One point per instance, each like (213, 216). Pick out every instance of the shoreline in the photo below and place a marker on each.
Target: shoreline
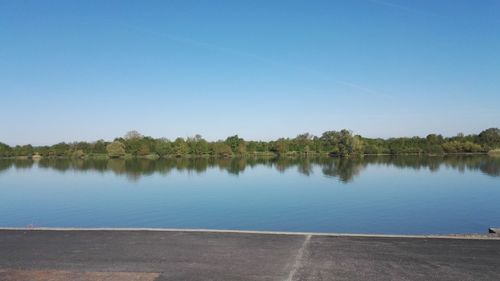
(291, 155)
(466, 236)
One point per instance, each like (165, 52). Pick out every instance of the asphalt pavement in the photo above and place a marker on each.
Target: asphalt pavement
(43, 255)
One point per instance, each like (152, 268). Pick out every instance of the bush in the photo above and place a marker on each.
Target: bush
(115, 149)
(222, 150)
(78, 154)
(494, 152)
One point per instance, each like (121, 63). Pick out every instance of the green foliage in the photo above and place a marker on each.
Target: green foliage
(461, 147)
(83, 146)
(197, 145)
(5, 150)
(434, 139)
(349, 144)
(143, 150)
(302, 143)
(115, 149)
(78, 154)
(339, 143)
(434, 149)
(280, 146)
(133, 135)
(180, 147)
(23, 150)
(163, 147)
(490, 138)
(236, 144)
(251, 147)
(99, 147)
(59, 150)
(132, 145)
(221, 149)
(329, 142)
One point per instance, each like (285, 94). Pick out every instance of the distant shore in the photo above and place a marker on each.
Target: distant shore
(267, 155)
(341, 143)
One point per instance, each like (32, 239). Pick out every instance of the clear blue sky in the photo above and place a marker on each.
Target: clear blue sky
(88, 70)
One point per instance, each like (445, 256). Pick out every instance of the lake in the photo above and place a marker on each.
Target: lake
(376, 194)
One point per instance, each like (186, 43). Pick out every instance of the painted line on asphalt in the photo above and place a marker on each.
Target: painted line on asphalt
(298, 259)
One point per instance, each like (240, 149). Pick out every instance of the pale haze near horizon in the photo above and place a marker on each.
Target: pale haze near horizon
(92, 70)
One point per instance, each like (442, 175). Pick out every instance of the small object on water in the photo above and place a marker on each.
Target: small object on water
(494, 230)
(30, 226)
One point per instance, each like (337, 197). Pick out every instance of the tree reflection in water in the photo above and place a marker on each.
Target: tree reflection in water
(345, 170)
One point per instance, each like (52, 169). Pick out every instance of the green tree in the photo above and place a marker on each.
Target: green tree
(342, 143)
(85, 147)
(221, 149)
(302, 143)
(133, 142)
(130, 135)
(42, 150)
(452, 147)
(5, 150)
(115, 149)
(490, 138)
(197, 145)
(60, 149)
(280, 146)
(242, 148)
(434, 139)
(180, 147)
(329, 141)
(472, 147)
(78, 154)
(99, 147)
(143, 149)
(236, 143)
(251, 147)
(434, 149)
(349, 144)
(163, 147)
(23, 150)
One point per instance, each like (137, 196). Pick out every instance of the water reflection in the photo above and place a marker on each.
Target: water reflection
(345, 170)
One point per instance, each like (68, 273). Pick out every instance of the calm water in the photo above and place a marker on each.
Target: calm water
(411, 195)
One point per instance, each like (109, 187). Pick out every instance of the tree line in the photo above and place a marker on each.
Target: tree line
(334, 143)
